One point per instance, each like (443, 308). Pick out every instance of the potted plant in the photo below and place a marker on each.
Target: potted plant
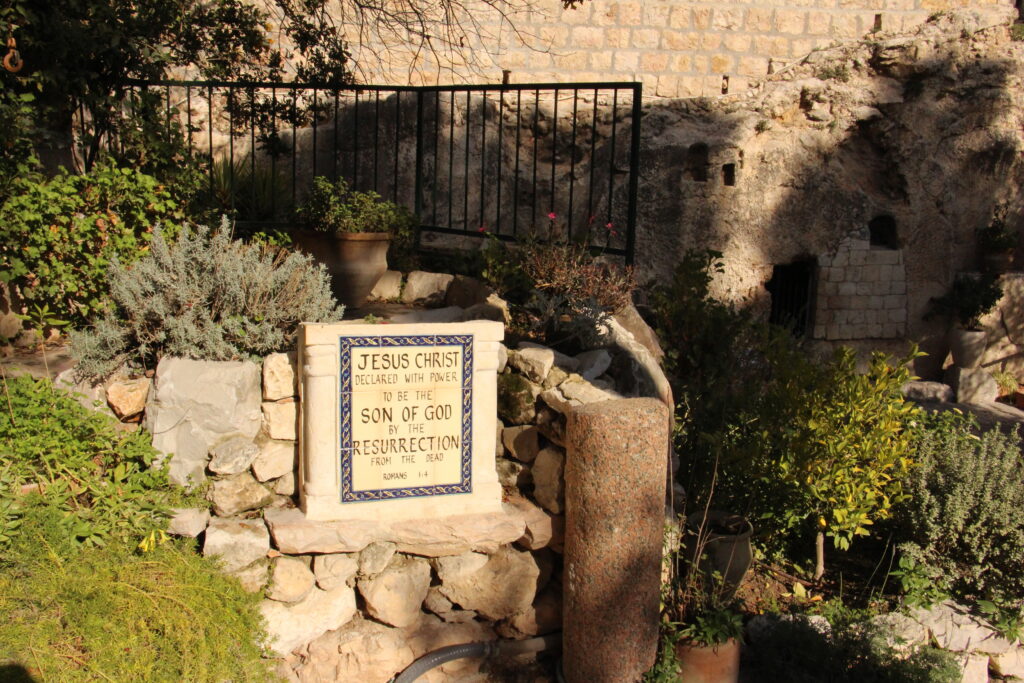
(967, 301)
(996, 246)
(700, 610)
(350, 232)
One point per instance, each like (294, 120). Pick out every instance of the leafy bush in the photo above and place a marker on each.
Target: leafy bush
(99, 481)
(964, 514)
(333, 207)
(967, 300)
(59, 236)
(106, 613)
(206, 297)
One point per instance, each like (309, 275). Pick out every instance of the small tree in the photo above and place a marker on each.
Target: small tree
(846, 450)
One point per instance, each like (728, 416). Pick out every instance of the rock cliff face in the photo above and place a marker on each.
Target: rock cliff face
(873, 162)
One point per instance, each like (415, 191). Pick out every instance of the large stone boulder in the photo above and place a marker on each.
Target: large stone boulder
(292, 580)
(196, 404)
(237, 542)
(238, 494)
(497, 587)
(394, 596)
(292, 625)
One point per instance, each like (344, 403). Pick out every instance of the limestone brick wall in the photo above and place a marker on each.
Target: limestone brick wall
(862, 293)
(676, 49)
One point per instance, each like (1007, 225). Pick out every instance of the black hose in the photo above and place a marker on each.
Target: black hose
(505, 647)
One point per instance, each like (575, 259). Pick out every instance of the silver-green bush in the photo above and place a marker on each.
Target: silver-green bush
(965, 511)
(207, 297)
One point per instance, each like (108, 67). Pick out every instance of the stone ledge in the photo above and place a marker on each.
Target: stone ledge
(293, 534)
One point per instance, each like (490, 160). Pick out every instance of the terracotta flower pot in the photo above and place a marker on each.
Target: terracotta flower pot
(967, 347)
(709, 664)
(356, 261)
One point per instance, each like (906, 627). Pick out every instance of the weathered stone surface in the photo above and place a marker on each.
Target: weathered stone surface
(195, 404)
(426, 289)
(369, 652)
(548, 480)
(901, 632)
(388, 287)
(972, 385)
(295, 535)
(954, 628)
(499, 447)
(437, 603)
(10, 325)
(127, 397)
(275, 459)
(253, 577)
(464, 291)
(280, 419)
(1009, 663)
(556, 400)
(974, 666)
(533, 361)
(521, 442)
(285, 486)
(539, 526)
(647, 376)
(512, 474)
(334, 570)
(292, 625)
(279, 377)
(188, 522)
(927, 391)
(543, 616)
(237, 542)
(395, 595)
(517, 399)
(555, 377)
(502, 358)
(593, 364)
(233, 455)
(503, 585)
(563, 361)
(575, 388)
(615, 495)
(631, 321)
(494, 308)
(238, 494)
(292, 580)
(375, 557)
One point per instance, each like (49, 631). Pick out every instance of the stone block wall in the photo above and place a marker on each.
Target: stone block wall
(359, 599)
(676, 49)
(862, 293)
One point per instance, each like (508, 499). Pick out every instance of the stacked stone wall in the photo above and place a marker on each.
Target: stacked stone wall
(675, 49)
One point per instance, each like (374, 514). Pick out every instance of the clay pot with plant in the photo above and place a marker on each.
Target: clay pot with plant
(997, 245)
(967, 301)
(701, 613)
(350, 232)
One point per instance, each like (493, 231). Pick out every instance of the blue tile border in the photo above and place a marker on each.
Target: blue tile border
(345, 345)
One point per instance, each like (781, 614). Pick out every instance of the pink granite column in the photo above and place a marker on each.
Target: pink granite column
(615, 501)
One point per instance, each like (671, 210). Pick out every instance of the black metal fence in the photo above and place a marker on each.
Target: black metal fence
(558, 161)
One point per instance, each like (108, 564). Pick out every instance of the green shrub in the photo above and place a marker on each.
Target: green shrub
(207, 297)
(111, 613)
(333, 207)
(100, 481)
(59, 236)
(965, 512)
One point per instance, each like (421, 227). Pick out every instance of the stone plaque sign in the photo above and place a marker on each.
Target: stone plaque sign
(406, 416)
(398, 421)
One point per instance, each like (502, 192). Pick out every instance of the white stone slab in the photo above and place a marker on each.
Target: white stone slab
(398, 421)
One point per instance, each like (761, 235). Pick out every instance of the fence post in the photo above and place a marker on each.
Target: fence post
(418, 189)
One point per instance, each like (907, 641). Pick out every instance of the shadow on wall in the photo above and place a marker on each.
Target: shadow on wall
(875, 178)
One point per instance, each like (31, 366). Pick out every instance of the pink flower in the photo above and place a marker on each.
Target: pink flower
(482, 228)
(609, 226)
(614, 234)
(552, 215)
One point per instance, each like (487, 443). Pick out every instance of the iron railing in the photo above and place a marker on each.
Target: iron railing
(552, 160)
